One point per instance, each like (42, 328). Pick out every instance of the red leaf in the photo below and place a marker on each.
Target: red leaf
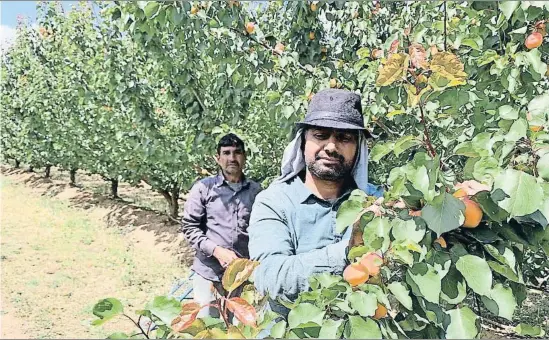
(186, 317)
(417, 55)
(394, 47)
(182, 322)
(242, 310)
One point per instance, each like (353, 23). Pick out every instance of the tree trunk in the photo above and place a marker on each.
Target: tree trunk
(73, 177)
(17, 163)
(173, 203)
(114, 188)
(48, 171)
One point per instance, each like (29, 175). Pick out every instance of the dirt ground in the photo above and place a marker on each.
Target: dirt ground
(64, 248)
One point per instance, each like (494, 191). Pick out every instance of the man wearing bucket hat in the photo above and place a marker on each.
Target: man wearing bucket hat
(292, 224)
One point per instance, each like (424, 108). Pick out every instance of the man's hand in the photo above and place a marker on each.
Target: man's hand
(224, 256)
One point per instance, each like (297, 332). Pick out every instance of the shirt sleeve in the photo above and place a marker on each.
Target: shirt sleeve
(282, 272)
(194, 212)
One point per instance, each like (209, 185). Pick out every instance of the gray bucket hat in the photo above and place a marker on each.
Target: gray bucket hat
(336, 109)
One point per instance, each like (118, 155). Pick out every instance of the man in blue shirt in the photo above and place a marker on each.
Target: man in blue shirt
(292, 224)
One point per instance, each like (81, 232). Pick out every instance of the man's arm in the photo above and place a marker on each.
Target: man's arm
(282, 273)
(194, 212)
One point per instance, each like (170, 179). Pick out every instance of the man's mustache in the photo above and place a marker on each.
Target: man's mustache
(333, 155)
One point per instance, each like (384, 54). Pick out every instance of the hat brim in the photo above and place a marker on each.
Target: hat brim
(333, 124)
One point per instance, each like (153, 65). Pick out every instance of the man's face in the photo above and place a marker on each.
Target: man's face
(330, 153)
(231, 159)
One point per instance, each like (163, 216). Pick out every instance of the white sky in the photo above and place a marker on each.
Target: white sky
(7, 36)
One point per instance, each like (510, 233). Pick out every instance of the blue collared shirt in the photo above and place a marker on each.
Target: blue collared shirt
(292, 233)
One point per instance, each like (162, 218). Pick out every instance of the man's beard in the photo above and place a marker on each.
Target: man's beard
(333, 172)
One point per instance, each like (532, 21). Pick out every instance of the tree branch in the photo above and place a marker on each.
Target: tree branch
(426, 133)
(445, 31)
(137, 324)
(270, 49)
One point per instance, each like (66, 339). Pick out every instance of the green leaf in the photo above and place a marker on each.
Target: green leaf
(523, 191)
(487, 57)
(476, 272)
(508, 112)
(331, 329)
(118, 335)
(278, 330)
(543, 167)
(407, 230)
(444, 213)
(401, 292)
(474, 42)
(463, 324)
(365, 304)
(419, 177)
(166, 309)
(507, 258)
(404, 143)
(347, 214)
(517, 130)
(151, 9)
(508, 7)
(360, 328)
(534, 59)
(483, 234)
(359, 251)
(535, 219)
(378, 230)
(527, 330)
(504, 298)
(453, 287)
(428, 283)
(489, 207)
(504, 270)
(304, 314)
(461, 288)
(380, 294)
(107, 309)
(539, 107)
(380, 150)
(324, 280)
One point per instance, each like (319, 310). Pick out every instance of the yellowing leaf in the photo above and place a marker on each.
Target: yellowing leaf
(395, 113)
(449, 66)
(413, 97)
(237, 273)
(457, 82)
(394, 69)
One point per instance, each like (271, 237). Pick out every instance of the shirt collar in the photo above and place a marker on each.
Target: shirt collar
(303, 193)
(220, 180)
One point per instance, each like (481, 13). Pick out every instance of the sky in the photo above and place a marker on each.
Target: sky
(9, 10)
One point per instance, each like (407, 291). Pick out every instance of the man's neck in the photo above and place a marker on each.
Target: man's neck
(237, 178)
(327, 190)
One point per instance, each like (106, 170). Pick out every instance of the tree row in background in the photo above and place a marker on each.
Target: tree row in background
(139, 91)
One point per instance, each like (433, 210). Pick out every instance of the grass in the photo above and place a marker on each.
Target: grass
(58, 261)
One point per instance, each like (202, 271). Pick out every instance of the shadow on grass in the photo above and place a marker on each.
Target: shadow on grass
(121, 213)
